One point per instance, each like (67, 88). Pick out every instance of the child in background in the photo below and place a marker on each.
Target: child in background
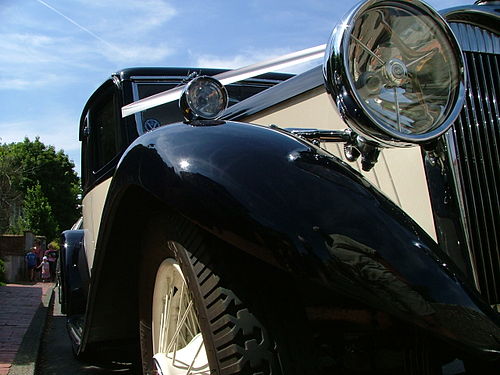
(45, 266)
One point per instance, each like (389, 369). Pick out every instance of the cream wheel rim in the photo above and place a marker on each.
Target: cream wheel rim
(177, 341)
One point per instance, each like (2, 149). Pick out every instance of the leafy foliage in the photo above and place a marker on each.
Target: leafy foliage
(54, 245)
(10, 196)
(37, 213)
(37, 174)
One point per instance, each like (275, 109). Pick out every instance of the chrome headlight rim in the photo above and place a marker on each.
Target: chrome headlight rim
(341, 86)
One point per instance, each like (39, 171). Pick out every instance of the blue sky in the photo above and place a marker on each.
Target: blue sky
(55, 53)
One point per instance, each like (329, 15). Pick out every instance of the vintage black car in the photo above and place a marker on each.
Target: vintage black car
(233, 225)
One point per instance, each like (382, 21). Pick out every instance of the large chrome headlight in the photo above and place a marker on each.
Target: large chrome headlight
(395, 71)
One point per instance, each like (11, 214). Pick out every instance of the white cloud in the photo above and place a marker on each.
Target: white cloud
(25, 48)
(250, 57)
(120, 20)
(241, 59)
(232, 62)
(32, 61)
(30, 83)
(138, 54)
(34, 49)
(36, 60)
(91, 36)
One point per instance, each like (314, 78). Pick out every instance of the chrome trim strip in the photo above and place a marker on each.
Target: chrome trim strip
(474, 160)
(451, 141)
(473, 147)
(487, 114)
(489, 190)
(175, 79)
(152, 101)
(468, 171)
(489, 158)
(496, 73)
(229, 77)
(475, 139)
(321, 134)
(474, 39)
(158, 78)
(485, 16)
(284, 61)
(485, 195)
(297, 85)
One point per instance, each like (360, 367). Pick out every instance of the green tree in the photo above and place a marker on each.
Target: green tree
(10, 197)
(34, 164)
(37, 214)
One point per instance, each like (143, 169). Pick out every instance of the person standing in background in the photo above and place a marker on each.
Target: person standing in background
(37, 249)
(51, 255)
(31, 262)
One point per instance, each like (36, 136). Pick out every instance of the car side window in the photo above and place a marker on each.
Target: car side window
(103, 131)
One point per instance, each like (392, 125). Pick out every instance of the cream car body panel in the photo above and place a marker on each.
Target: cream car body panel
(93, 204)
(399, 173)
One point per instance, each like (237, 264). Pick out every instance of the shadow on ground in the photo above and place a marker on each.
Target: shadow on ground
(56, 355)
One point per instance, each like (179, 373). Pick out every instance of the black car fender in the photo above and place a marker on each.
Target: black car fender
(73, 273)
(290, 204)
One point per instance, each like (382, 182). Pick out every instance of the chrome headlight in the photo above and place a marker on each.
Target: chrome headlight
(204, 98)
(395, 71)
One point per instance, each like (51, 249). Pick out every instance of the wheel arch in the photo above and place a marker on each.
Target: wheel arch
(112, 313)
(240, 192)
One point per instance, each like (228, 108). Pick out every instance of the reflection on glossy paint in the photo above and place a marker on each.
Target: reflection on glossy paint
(184, 164)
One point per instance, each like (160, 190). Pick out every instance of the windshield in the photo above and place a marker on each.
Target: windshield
(169, 113)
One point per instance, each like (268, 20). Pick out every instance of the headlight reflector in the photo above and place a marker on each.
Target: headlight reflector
(396, 72)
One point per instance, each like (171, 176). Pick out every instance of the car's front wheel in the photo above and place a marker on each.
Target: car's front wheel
(178, 346)
(206, 308)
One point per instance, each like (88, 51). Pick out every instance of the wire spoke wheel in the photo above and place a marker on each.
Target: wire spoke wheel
(178, 346)
(207, 308)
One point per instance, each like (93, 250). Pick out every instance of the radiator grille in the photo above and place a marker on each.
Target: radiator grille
(476, 140)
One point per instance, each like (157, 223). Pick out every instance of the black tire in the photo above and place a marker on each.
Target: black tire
(247, 320)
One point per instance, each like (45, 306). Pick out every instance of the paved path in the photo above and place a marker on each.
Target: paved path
(56, 355)
(18, 305)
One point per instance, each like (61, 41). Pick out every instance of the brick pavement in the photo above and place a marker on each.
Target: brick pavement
(18, 305)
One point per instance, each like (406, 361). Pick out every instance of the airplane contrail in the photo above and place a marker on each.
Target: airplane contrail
(78, 25)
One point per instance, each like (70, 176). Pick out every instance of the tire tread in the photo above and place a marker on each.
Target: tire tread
(241, 344)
